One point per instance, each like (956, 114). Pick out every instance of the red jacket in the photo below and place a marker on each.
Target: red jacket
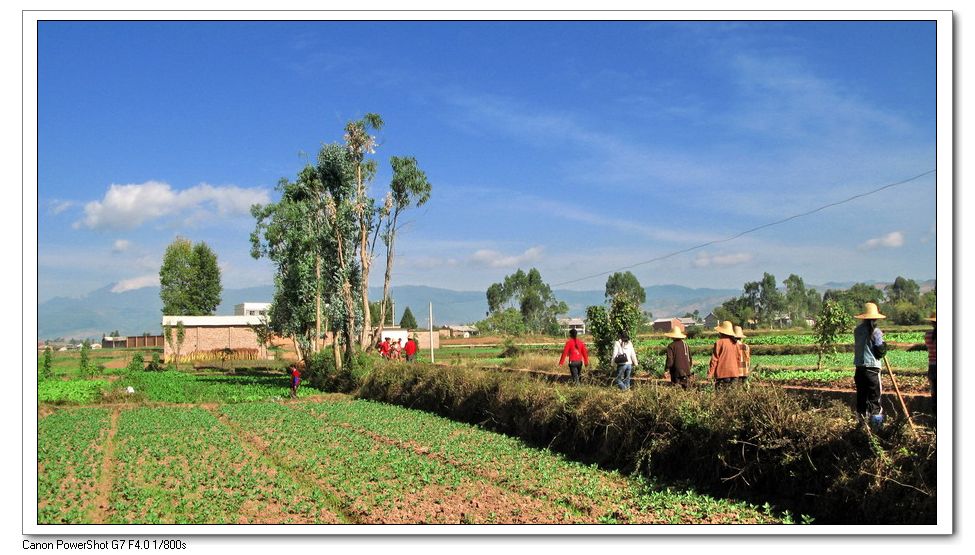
(410, 347)
(576, 351)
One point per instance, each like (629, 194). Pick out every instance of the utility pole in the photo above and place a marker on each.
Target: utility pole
(431, 332)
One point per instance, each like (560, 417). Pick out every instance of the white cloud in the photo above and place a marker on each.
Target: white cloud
(58, 206)
(892, 240)
(149, 280)
(495, 259)
(121, 245)
(129, 206)
(704, 260)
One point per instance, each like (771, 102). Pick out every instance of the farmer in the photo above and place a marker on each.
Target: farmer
(384, 348)
(744, 355)
(575, 350)
(678, 361)
(724, 366)
(396, 349)
(930, 339)
(868, 353)
(625, 358)
(296, 378)
(410, 349)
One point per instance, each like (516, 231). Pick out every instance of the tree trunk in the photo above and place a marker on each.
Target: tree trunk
(364, 259)
(318, 302)
(387, 277)
(294, 339)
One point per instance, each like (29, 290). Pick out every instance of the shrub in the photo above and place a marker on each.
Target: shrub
(84, 366)
(137, 364)
(510, 349)
(320, 371)
(156, 365)
(46, 371)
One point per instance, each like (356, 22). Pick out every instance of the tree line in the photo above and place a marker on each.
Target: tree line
(763, 303)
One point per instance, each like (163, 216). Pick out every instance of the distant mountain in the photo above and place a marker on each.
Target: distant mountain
(137, 311)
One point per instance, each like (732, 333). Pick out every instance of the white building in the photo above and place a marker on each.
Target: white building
(251, 309)
(566, 324)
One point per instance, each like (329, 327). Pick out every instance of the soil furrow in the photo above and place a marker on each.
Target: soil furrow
(257, 448)
(100, 509)
(582, 511)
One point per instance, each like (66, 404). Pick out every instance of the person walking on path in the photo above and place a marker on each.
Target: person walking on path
(575, 351)
(410, 349)
(295, 378)
(868, 354)
(678, 361)
(624, 356)
(930, 339)
(724, 367)
(744, 355)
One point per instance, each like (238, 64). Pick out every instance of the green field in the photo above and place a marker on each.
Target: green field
(329, 462)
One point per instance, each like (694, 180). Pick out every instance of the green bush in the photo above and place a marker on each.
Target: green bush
(320, 371)
(750, 442)
(137, 364)
(510, 349)
(156, 365)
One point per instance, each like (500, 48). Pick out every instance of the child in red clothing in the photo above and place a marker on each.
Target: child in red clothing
(295, 378)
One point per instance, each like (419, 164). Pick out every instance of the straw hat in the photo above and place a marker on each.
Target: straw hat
(725, 328)
(872, 313)
(739, 333)
(675, 334)
(933, 317)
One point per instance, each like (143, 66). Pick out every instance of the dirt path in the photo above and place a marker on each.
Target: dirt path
(100, 509)
(259, 449)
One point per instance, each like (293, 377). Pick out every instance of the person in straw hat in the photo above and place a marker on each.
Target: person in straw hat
(869, 350)
(744, 355)
(724, 356)
(678, 362)
(930, 339)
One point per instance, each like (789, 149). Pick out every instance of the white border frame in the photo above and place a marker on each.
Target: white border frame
(945, 246)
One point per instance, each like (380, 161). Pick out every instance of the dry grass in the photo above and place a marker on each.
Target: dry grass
(758, 443)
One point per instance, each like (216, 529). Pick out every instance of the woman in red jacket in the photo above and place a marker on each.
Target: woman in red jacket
(575, 351)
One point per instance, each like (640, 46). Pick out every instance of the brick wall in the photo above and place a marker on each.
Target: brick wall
(208, 338)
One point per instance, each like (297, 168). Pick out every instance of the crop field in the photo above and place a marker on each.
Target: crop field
(909, 366)
(330, 461)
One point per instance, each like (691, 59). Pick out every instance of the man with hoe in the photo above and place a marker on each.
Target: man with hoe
(930, 340)
(869, 350)
(724, 367)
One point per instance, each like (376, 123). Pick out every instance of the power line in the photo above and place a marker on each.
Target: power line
(747, 231)
(731, 237)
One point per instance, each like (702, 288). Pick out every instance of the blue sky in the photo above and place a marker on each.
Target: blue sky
(573, 147)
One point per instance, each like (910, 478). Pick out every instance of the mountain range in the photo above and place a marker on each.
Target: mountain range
(137, 311)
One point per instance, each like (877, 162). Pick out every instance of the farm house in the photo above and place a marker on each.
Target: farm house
(667, 324)
(566, 324)
(207, 334)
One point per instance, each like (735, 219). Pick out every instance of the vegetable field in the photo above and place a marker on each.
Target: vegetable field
(330, 462)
